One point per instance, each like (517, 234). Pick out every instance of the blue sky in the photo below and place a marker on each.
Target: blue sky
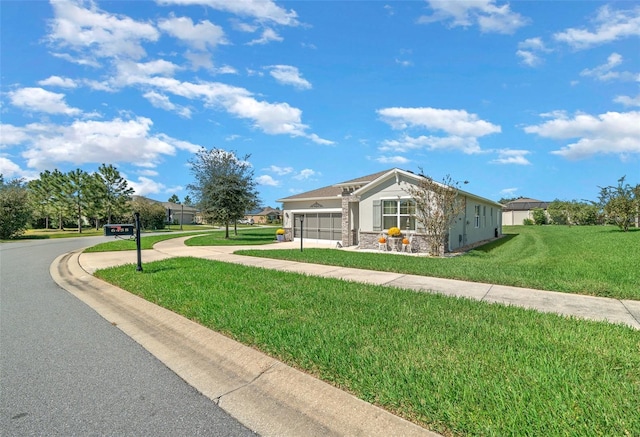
(529, 98)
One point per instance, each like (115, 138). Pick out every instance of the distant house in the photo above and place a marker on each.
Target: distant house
(265, 215)
(516, 211)
(176, 213)
(358, 211)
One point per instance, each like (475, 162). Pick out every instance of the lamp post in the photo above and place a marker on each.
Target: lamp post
(301, 231)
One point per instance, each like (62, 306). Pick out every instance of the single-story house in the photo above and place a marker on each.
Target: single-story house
(178, 213)
(358, 211)
(516, 211)
(264, 215)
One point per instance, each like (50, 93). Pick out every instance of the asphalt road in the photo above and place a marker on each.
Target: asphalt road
(64, 370)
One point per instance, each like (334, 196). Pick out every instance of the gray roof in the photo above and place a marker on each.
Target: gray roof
(336, 189)
(525, 204)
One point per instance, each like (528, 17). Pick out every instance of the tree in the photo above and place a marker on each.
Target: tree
(41, 196)
(620, 204)
(76, 190)
(15, 209)
(117, 192)
(152, 214)
(174, 199)
(224, 187)
(437, 207)
(539, 216)
(187, 201)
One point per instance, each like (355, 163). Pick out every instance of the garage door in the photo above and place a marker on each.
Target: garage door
(319, 226)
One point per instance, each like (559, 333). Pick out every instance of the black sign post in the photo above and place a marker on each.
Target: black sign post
(137, 217)
(301, 230)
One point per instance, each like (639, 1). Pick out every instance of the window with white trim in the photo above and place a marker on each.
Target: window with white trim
(399, 213)
(477, 216)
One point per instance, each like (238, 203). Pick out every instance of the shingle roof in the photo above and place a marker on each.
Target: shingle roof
(525, 204)
(336, 189)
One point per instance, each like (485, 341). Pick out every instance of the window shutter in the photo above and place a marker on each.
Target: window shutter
(377, 215)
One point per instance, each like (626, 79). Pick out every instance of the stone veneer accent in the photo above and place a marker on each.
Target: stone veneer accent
(348, 236)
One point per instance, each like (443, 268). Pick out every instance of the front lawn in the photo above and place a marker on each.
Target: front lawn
(455, 366)
(592, 260)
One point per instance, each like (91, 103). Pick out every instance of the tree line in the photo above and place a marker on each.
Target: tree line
(617, 205)
(224, 189)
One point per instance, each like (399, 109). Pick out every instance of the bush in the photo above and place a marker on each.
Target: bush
(15, 211)
(528, 222)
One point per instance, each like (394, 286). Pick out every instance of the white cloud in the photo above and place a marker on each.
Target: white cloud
(83, 142)
(510, 156)
(392, 160)
(288, 75)
(406, 143)
(62, 82)
(628, 101)
(305, 174)
(199, 36)
(145, 186)
(161, 101)
(609, 25)
(268, 35)
(605, 72)
(280, 171)
(490, 17)
(508, 192)
(268, 181)
(11, 135)
(103, 34)
(529, 51)
(609, 133)
(451, 121)
(9, 169)
(261, 10)
(41, 100)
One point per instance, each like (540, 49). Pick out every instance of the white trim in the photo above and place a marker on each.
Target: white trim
(305, 211)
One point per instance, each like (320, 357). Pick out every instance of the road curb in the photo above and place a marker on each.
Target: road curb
(262, 393)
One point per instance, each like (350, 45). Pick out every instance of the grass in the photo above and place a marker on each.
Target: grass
(455, 366)
(246, 236)
(597, 260)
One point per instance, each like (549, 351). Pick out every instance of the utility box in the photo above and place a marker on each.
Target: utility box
(118, 230)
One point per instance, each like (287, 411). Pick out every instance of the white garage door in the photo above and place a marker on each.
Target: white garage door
(319, 226)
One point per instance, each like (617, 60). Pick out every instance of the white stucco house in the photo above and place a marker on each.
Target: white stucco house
(358, 211)
(516, 211)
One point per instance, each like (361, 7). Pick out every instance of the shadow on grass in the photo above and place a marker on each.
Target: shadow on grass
(485, 248)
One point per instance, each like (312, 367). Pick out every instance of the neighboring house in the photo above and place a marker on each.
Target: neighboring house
(516, 211)
(264, 215)
(176, 212)
(358, 211)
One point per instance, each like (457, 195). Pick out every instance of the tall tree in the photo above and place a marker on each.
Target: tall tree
(174, 199)
(57, 182)
(41, 196)
(187, 201)
(117, 192)
(15, 209)
(620, 203)
(437, 207)
(77, 190)
(224, 186)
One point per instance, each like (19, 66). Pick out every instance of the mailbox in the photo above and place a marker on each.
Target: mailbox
(117, 230)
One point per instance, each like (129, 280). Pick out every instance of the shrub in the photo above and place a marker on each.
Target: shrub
(528, 222)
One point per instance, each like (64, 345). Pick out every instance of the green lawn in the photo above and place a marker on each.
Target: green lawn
(455, 366)
(246, 236)
(593, 260)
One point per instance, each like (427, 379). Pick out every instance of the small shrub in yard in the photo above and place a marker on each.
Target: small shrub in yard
(528, 222)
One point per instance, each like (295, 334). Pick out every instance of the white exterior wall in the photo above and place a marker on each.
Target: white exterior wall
(512, 218)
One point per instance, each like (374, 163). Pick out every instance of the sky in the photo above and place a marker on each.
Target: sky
(536, 99)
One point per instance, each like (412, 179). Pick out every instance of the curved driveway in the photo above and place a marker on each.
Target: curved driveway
(64, 370)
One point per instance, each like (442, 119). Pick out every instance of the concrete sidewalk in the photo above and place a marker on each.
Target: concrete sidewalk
(261, 392)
